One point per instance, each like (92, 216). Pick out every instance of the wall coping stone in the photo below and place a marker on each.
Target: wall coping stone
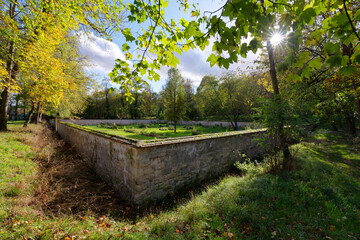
(159, 142)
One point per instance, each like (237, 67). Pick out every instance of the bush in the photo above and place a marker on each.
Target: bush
(194, 131)
(153, 134)
(250, 167)
(143, 125)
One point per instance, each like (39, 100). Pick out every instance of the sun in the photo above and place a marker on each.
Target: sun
(276, 39)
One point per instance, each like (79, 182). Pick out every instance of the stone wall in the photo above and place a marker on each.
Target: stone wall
(146, 171)
(85, 122)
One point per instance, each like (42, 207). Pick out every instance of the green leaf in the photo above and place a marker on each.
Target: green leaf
(212, 59)
(125, 47)
(316, 63)
(308, 15)
(335, 61)
(332, 48)
(294, 78)
(348, 70)
(357, 15)
(357, 58)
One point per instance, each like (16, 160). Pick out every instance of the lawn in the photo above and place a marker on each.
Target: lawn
(156, 131)
(46, 192)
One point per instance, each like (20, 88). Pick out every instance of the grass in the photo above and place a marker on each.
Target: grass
(154, 131)
(47, 192)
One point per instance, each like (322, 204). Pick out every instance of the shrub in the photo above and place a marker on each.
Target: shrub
(153, 134)
(250, 167)
(143, 125)
(114, 126)
(194, 131)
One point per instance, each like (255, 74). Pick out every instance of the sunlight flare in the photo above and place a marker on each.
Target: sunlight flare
(276, 39)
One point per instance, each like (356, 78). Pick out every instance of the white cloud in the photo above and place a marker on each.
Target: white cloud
(101, 52)
(193, 65)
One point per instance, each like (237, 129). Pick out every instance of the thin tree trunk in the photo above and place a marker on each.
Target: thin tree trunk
(24, 110)
(10, 108)
(16, 107)
(348, 50)
(284, 146)
(29, 115)
(350, 122)
(357, 104)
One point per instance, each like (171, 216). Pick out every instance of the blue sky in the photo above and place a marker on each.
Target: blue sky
(193, 65)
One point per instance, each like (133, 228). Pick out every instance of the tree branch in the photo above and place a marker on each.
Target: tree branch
(350, 21)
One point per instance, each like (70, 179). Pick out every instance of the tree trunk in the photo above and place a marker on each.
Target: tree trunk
(348, 50)
(357, 104)
(29, 115)
(37, 117)
(5, 95)
(16, 107)
(333, 125)
(107, 102)
(350, 121)
(175, 122)
(10, 108)
(24, 110)
(284, 146)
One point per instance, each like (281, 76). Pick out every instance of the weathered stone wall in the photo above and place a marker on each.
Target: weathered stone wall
(85, 122)
(142, 172)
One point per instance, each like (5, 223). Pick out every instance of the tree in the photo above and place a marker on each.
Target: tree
(173, 95)
(237, 97)
(230, 39)
(73, 102)
(22, 21)
(207, 97)
(191, 110)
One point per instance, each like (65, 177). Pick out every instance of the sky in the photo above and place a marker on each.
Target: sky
(103, 53)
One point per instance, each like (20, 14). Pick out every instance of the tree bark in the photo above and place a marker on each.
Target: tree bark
(5, 95)
(37, 117)
(284, 146)
(357, 104)
(16, 107)
(29, 115)
(350, 121)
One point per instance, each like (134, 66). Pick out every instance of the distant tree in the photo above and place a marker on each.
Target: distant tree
(191, 110)
(207, 101)
(147, 103)
(173, 96)
(237, 96)
(106, 85)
